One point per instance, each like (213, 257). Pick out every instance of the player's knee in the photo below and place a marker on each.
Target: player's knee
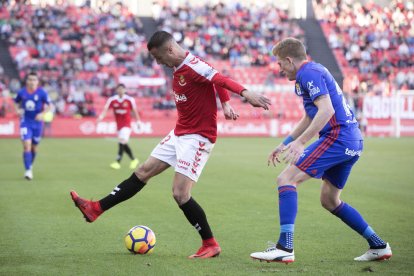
(284, 179)
(328, 202)
(180, 197)
(143, 172)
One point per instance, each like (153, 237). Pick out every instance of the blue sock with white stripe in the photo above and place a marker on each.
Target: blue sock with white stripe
(288, 208)
(354, 220)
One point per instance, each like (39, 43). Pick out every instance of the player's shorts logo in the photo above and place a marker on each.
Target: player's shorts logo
(351, 152)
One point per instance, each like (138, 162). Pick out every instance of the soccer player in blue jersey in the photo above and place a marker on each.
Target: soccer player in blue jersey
(331, 157)
(31, 104)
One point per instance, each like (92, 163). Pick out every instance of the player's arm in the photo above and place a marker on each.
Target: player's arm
(206, 73)
(46, 105)
(135, 110)
(18, 109)
(17, 105)
(254, 99)
(105, 109)
(301, 126)
(224, 97)
(46, 108)
(322, 117)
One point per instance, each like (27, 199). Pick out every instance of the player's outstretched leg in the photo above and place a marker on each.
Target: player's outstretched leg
(378, 249)
(330, 200)
(93, 209)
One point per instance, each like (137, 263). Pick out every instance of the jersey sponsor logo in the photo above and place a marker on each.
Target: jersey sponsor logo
(313, 90)
(351, 152)
(297, 89)
(125, 104)
(120, 111)
(182, 81)
(180, 98)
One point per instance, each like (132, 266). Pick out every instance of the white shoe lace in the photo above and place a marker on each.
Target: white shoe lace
(270, 246)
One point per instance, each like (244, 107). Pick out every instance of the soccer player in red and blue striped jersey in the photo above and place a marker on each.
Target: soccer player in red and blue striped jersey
(331, 157)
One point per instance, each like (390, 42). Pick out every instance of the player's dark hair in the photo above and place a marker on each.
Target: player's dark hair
(158, 39)
(31, 74)
(120, 85)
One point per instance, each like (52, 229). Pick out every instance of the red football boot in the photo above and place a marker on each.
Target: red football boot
(91, 210)
(209, 249)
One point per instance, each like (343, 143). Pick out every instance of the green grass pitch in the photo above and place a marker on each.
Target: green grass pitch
(42, 233)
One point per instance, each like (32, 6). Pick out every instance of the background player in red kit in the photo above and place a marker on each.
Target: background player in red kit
(188, 146)
(122, 106)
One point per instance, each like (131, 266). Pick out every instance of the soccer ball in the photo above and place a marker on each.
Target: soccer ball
(140, 240)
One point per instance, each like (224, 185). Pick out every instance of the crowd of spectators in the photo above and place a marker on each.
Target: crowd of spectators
(78, 52)
(377, 42)
(242, 33)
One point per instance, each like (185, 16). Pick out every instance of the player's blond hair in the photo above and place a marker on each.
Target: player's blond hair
(290, 47)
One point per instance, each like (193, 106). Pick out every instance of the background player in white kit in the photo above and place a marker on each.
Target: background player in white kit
(187, 147)
(122, 106)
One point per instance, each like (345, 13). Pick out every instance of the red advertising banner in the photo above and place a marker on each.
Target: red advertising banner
(70, 127)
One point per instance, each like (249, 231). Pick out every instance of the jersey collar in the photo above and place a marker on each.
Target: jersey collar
(188, 57)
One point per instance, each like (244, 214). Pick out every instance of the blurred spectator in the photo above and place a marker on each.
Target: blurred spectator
(377, 41)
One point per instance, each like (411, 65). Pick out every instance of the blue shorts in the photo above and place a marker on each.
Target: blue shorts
(330, 159)
(31, 131)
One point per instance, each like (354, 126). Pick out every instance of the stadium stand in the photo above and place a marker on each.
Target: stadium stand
(373, 44)
(78, 52)
(237, 40)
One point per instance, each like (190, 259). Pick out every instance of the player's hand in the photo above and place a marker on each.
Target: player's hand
(275, 155)
(229, 112)
(293, 151)
(20, 112)
(39, 117)
(256, 100)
